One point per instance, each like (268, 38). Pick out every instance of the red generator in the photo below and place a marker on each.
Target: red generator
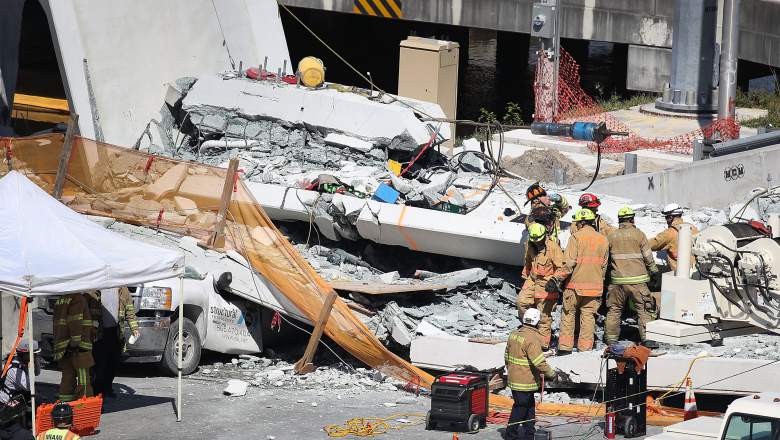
(459, 403)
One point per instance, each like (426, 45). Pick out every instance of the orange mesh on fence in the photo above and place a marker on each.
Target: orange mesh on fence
(574, 104)
(184, 197)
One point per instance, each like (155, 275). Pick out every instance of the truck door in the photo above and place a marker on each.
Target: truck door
(232, 326)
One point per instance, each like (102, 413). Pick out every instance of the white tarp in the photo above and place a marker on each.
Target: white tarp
(48, 249)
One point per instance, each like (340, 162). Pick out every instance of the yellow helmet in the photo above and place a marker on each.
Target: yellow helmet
(536, 232)
(625, 212)
(584, 214)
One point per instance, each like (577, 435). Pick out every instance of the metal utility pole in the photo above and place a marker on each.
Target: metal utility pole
(545, 24)
(727, 83)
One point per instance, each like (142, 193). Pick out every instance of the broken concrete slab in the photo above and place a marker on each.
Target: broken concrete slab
(326, 108)
(449, 353)
(236, 388)
(341, 140)
(454, 280)
(375, 288)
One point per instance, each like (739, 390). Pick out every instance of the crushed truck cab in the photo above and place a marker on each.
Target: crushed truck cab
(753, 417)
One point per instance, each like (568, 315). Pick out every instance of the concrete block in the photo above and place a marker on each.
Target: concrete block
(680, 333)
(184, 205)
(167, 183)
(447, 353)
(341, 140)
(206, 190)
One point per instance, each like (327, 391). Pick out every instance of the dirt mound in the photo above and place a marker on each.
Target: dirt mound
(541, 165)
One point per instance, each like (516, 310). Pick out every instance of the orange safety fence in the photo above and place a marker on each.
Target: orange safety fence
(184, 197)
(574, 104)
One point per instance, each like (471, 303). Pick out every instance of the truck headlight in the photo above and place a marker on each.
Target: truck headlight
(156, 298)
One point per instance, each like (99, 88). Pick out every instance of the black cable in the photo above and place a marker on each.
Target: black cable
(598, 165)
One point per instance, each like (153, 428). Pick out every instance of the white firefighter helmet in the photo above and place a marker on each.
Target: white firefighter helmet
(672, 209)
(532, 317)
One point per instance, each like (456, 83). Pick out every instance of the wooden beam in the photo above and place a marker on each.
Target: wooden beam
(224, 203)
(67, 148)
(304, 365)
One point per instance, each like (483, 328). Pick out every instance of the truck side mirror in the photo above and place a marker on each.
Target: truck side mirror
(223, 282)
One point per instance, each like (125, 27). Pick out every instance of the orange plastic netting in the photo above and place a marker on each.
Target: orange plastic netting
(184, 197)
(574, 104)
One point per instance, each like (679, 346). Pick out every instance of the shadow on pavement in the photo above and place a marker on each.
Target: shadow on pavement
(127, 399)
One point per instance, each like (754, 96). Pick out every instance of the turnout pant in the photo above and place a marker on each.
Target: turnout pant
(524, 408)
(616, 301)
(587, 306)
(75, 381)
(107, 352)
(527, 299)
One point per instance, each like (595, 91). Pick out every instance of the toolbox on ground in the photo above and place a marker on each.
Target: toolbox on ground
(459, 402)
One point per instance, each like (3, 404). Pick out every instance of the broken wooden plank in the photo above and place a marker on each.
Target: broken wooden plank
(376, 288)
(304, 365)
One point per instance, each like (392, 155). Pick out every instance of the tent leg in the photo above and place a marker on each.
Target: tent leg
(31, 365)
(181, 355)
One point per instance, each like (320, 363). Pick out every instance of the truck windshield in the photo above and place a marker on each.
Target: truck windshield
(750, 427)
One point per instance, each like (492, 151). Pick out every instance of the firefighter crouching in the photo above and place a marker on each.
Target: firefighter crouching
(584, 263)
(524, 361)
(632, 266)
(543, 258)
(73, 333)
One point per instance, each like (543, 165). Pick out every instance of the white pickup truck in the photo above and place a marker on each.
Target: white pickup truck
(754, 417)
(227, 309)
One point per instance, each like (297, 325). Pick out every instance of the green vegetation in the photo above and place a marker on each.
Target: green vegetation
(769, 101)
(513, 115)
(616, 102)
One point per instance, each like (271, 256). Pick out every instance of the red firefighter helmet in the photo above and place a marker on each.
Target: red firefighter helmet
(589, 200)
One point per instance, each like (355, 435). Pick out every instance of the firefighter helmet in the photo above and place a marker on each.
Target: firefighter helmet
(589, 200)
(532, 317)
(62, 415)
(672, 210)
(534, 192)
(626, 212)
(584, 215)
(536, 232)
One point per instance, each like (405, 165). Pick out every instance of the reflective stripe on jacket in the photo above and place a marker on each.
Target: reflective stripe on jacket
(586, 260)
(72, 324)
(524, 360)
(631, 260)
(540, 267)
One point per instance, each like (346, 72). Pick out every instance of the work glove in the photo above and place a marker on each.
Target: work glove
(553, 285)
(655, 277)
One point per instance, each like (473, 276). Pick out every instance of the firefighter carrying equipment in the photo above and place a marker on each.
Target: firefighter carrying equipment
(626, 213)
(584, 215)
(589, 200)
(536, 232)
(525, 360)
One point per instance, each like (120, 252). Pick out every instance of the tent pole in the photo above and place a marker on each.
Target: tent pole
(181, 337)
(31, 365)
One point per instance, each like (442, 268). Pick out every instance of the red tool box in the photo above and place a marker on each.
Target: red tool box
(459, 402)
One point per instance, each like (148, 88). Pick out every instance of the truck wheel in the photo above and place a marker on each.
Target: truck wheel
(473, 423)
(190, 347)
(629, 427)
(429, 424)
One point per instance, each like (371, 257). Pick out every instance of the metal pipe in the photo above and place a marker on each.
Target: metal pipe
(746, 144)
(684, 239)
(727, 83)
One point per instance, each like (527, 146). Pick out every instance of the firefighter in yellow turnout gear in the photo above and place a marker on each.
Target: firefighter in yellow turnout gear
(543, 258)
(524, 362)
(73, 332)
(632, 265)
(585, 264)
(666, 240)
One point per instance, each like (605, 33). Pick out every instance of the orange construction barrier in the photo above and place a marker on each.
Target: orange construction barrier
(86, 415)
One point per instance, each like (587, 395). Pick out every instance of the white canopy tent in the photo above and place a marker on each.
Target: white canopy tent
(48, 249)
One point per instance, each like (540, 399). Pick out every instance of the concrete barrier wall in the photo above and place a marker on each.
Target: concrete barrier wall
(715, 183)
(133, 49)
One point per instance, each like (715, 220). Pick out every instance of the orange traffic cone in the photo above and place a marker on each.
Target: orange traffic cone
(689, 410)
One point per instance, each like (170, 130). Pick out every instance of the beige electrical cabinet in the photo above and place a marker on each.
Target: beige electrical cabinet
(428, 70)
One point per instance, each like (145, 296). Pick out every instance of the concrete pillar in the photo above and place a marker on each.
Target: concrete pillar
(10, 33)
(693, 54)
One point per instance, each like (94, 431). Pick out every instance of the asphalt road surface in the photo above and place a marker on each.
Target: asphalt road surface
(145, 409)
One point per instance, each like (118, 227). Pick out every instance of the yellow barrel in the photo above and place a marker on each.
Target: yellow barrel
(312, 71)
